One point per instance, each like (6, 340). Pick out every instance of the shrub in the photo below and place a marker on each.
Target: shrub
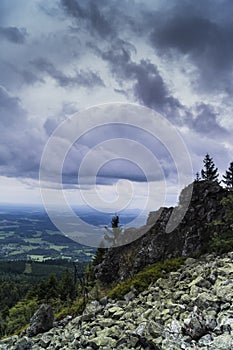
(73, 310)
(144, 278)
(20, 314)
(222, 242)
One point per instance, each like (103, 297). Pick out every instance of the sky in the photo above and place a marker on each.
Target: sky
(60, 58)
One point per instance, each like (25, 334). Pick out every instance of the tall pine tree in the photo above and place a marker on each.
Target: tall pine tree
(228, 178)
(210, 172)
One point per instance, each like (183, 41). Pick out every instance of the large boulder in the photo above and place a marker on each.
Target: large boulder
(41, 321)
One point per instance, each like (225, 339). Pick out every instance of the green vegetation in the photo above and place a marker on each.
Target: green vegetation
(34, 271)
(28, 268)
(19, 315)
(210, 172)
(98, 258)
(28, 235)
(26, 285)
(74, 309)
(223, 242)
(228, 177)
(144, 278)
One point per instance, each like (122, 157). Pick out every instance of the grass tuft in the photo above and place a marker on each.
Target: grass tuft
(144, 278)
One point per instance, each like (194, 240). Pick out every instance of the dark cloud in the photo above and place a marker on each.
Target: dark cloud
(99, 22)
(110, 173)
(88, 79)
(205, 122)
(21, 142)
(11, 111)
(198, 33)
(26, 151)
(13, 34)
(118, 55)
(149, 87)
(15, 74)
(73, 8)
(116, 167)
(89, 13)
(121, 169)
(201, 31)
(29, 77)
(83, 78)
(186, 34)
(206, 40)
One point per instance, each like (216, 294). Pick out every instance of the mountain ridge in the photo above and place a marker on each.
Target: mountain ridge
(189, 238)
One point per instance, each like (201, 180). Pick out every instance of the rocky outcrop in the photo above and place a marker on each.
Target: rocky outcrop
(41, 321)
(191, 309)
(189, 238)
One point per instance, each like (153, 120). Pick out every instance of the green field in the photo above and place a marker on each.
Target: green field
(30, 235)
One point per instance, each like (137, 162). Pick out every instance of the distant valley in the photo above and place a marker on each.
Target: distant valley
(26, 233)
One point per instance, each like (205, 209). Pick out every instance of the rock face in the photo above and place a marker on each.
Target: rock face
(188, 239)
(41, 321)
(191, 309)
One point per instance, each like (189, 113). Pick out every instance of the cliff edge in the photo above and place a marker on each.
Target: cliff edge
(189, 238)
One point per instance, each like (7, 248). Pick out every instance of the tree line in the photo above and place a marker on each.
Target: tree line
(19, 299)
(221, 239)
(210, 172)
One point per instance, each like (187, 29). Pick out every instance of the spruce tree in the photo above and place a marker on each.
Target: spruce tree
(67, 287)
(228, 178)
(210, 172)
(197, 178)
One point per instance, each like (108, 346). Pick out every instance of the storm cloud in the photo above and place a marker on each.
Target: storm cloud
(13, 34)
(80, 78)
(56, 59)
(91, 15)
(21, 140)
(206, 121)
(203, 36)
(148, 86)
(11, 110)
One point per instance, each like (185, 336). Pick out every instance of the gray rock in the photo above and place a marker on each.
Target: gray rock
(41, 321)
(103, 301)
(141, 329)
(206, 340)
(222, 342)
(45, 341)
(8, 342)
(195, 325)
(129, 296)
(24, 344)
(169, 315)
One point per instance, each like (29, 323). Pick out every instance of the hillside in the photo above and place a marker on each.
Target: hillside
(190, 238)
(163, 291)
(190, 306)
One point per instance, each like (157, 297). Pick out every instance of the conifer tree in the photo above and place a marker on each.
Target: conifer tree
(210, 172)
(116, 233)
(67, 288)
(197, 178)
(228, 178)
(49, 289)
